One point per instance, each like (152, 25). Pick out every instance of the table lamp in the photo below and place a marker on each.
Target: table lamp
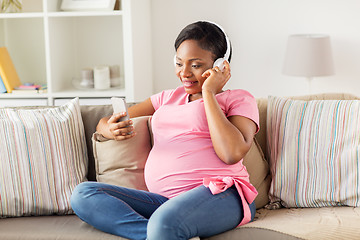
(308, 55)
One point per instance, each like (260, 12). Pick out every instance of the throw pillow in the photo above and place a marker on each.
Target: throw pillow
(258, 169)
(314, 152)
(122, 162)
(42, 158)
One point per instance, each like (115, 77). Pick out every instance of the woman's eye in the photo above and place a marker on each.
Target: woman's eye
(178, 64)
(196, 66)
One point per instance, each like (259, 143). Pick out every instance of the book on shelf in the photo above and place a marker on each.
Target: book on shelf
(8, 72)
(29, 86)
(30, 89)
(21, 91)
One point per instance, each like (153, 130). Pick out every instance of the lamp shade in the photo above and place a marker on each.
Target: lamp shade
(308, 55)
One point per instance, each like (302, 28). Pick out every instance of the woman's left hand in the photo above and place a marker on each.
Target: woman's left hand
(216, 79)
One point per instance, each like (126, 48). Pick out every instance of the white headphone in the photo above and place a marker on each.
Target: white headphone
(220, 61)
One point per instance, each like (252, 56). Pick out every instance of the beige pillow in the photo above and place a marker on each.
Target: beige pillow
(258, 169)
(122, 162)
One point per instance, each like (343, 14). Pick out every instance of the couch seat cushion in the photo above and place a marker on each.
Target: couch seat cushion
(311, 223)
(68, 227)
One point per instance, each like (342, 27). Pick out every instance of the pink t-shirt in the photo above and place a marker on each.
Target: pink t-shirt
(183, 154)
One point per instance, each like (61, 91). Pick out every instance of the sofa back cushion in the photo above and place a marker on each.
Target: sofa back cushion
(314, 152)
(258, 169)
(91, 115)
(261, 135)
(43, 157)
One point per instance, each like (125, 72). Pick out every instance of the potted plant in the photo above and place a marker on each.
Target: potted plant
(11, 6)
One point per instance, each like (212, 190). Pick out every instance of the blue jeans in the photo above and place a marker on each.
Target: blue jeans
(136, 214)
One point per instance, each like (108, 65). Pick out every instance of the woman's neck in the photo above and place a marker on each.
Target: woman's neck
(196, 96)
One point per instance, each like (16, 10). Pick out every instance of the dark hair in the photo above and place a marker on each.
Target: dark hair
(209, 36)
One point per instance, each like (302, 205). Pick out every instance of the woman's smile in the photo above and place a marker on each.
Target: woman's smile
(189, 84)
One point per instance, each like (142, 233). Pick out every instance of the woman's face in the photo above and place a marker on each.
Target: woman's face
(191, 62)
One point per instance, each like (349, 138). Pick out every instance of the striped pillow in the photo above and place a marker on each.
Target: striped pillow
(314, 151)
(42, 158)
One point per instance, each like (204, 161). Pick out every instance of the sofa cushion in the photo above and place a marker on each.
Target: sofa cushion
(262, 106)
(122, 162)
(43, 157)
(313, 149)
(258, 169)
(68, 227)
(91, 116)
(304, 223)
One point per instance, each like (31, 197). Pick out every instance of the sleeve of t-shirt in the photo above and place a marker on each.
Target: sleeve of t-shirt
(242, 103)
(159, 99)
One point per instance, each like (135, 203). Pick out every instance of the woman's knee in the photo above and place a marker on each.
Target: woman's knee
(80, 194)
(163, 224)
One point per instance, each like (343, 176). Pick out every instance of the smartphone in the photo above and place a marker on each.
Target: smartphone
(119, 105)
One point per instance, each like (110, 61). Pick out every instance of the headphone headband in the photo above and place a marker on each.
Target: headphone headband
(227, 53)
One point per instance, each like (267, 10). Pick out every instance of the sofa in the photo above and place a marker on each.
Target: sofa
(275, 218)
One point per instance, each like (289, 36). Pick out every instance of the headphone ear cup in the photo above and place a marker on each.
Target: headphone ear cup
(175, 60)
(219, 63)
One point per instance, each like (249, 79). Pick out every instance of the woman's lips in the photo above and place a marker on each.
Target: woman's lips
(189, 83)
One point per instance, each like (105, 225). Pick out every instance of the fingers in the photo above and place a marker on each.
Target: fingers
(123, 131)
(120, 130)
(210, 71)
(227, 65)
(116, 117)
(216, 69)
(126, 136)
(206, 73)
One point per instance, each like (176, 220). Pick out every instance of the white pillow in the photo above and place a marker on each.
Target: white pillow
(43, 157)
(314, 151)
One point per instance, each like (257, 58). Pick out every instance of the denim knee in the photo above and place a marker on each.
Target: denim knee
(79, 195)
(163, 225)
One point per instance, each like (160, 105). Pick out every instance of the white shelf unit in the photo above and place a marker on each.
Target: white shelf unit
(50, 46)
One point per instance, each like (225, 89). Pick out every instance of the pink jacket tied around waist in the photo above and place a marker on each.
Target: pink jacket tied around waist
(246, 191)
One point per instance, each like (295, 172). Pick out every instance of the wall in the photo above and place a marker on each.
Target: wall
(259, 30)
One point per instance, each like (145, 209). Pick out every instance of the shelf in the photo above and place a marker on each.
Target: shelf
(88, 94)
(50, 46)
(21, 15)
(69, 93)
(61, 14)
(30, 95)
(85, 14)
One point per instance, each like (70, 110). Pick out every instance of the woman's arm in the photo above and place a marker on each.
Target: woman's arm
(231, 137)
(110, 128)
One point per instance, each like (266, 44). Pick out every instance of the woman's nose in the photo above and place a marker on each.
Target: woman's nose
(186, 71)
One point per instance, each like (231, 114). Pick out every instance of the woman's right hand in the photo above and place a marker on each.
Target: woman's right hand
(111, 128)
(120, 130)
